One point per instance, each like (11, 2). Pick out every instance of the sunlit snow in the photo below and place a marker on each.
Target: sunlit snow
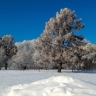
(47, 83)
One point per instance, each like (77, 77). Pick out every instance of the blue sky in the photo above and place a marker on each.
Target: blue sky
(25, 19)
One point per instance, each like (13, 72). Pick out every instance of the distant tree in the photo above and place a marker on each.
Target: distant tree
(3, 57)
(7, 49)
(90, 56)
(59, 43)
(24, 57)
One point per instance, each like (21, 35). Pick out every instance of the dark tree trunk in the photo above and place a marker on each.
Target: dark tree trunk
(60, 67)
(6, 66)
(0, 67)
(87, 67)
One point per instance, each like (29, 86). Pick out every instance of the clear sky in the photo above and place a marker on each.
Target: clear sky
(25, 19)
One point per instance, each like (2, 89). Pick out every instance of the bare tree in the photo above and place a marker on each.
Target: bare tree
(59, 43)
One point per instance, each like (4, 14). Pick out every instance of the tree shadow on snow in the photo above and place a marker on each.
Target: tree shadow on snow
(79, 71)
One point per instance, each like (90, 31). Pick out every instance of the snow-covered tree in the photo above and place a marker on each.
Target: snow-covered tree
(24, 57)
(7, 49)
(2, 57)
(59, 43)
(90, 56)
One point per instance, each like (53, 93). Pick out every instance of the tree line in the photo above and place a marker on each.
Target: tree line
(58, 46)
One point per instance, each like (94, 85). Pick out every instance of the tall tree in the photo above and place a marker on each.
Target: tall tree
(59, 43)
(7, 49)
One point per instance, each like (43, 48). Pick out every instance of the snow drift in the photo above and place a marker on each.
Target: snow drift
(53, 86)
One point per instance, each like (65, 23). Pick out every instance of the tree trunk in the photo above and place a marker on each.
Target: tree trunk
(0, 67)
(88, 67)
(60, 67)
(6, 66)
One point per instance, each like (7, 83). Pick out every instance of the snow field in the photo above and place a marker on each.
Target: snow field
(62, 84)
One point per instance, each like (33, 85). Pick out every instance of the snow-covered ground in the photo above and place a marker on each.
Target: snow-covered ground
(47, 83)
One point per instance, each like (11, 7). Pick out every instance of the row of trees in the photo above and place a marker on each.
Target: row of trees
(27, 56)
(58, 45)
